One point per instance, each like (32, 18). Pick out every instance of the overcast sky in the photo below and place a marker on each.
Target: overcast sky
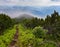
(30, 2)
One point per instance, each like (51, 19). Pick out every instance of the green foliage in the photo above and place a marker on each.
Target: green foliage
(7, 37)
(32, 23)
(52, 24)
(25, 37)
(48, 44)
(5, 22)
(39, 32)
(32, 31)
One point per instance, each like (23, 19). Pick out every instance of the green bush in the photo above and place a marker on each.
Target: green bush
(39, 32)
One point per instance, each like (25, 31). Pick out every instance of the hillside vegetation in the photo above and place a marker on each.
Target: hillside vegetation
(33, 32)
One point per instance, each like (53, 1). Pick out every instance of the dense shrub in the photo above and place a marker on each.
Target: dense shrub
(39, 32)
(5, 22)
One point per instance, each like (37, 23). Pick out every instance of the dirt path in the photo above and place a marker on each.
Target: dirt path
(15, 39)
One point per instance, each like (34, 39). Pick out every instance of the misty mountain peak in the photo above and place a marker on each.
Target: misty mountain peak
(25, 16)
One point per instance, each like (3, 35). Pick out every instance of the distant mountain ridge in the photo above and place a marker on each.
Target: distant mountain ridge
(38, 11)
(25, 16)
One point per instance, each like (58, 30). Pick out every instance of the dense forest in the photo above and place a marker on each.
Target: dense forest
(33, 32)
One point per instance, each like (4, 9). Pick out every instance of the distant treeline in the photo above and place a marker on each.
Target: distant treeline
(50, 23)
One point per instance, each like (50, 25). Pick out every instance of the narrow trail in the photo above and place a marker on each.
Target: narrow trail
(15, 39)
